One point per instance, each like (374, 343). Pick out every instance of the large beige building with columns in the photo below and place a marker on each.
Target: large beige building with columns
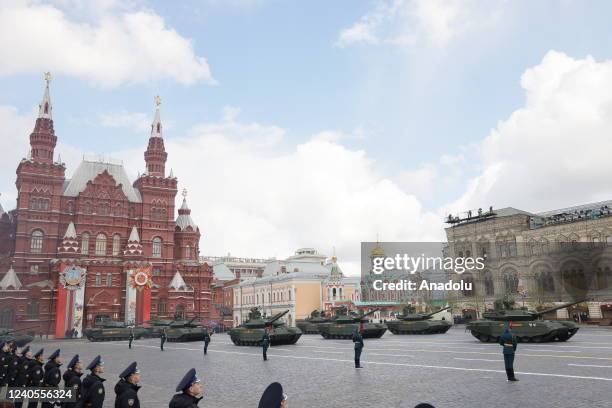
(302, 283)
(539, 259)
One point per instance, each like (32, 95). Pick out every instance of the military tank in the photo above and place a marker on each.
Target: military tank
(155, 326)
(343, 324)
(110, 330)
(418, 323)
(310, 325)
(251, 332)
(185, 330)
(525, 324)
(19, 339)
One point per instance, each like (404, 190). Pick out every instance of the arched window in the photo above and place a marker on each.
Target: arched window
(70, 207)
(157, 247)
(511, 281)
(103, 209)
(179, 313)
(109, 280)
(36, 243)
(7, 318)
(187, 252)
(33, 309)
(98, 279)
(101, 245)
(340, 293)
(87, 208)
(161, 306)
(334, 293)
(116, 244)
(85, 243)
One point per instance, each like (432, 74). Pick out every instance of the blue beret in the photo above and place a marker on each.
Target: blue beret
(131, 369)
(187, 380)
(55, 354)
(95, 362)
(39, 353)
(272, 396)
(25, 350)
(73, 362)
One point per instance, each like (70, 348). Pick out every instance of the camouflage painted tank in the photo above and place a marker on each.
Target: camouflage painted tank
(185, 330)
(155, 326)
(525, 324)
(251, 332)
(11, 335)
(110, 330)
(418, 323)
(343, 324)
(310, 325)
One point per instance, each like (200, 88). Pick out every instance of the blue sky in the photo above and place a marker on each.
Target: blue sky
(411, 85)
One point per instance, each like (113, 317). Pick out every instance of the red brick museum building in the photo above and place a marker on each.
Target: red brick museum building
(78, 250)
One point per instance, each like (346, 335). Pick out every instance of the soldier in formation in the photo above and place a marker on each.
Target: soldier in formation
(188, 391)
(127, 387)
(72, 380)
(52, 375)
(358, 340)
(92, 388)
(21, 378)
(35, 374)
(508, 342)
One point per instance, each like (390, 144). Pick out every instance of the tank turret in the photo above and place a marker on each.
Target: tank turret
(310, 324)
(344, 323)
(418, 323)
(509, 314)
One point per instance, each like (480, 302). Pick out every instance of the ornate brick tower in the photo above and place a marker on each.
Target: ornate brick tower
(156, 156)
(187, 234)
(39, 186)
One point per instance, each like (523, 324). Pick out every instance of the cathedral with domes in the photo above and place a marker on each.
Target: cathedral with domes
(93, 246)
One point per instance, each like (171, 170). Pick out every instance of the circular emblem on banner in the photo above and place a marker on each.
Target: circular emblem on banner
(141, 278)
(73, 277)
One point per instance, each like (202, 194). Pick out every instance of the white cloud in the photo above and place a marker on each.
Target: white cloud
(123, 119)
(118, 46)
(414, 22)
(554, 151)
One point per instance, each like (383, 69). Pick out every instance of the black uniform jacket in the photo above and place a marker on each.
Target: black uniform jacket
(92, 391)
(183, 400)
(127, 395)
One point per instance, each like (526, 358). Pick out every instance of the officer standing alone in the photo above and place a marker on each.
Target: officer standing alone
(508, 343)
(188, 390)
(127, 388)
(265, 343)
(206, 341)
(131, 339)
(92, 395)
(358, 340)
(163, 338)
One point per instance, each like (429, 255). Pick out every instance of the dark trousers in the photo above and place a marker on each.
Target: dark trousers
(265, 353)
(206, 347)
(509, 364)
(357, 357)
(130, 343)
(162, 344)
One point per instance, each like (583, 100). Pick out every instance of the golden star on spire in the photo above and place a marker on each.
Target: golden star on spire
(157, 100)
(48, 76)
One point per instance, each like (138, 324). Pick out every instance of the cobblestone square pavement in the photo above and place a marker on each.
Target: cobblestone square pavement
(447, 370)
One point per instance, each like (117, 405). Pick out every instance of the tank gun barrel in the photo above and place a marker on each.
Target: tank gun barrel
(277, 316)
(563, 306)
(437, 311)
(361, 317)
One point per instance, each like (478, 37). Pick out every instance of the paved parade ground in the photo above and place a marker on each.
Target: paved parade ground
(446, 370)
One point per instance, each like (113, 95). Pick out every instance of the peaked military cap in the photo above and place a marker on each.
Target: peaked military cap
(424, 405)
(188, 380)
(272, 396)
(25, 350)
(73, 362)
(39, 353)
(95, 362)
(55, 354)
(131, 369)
